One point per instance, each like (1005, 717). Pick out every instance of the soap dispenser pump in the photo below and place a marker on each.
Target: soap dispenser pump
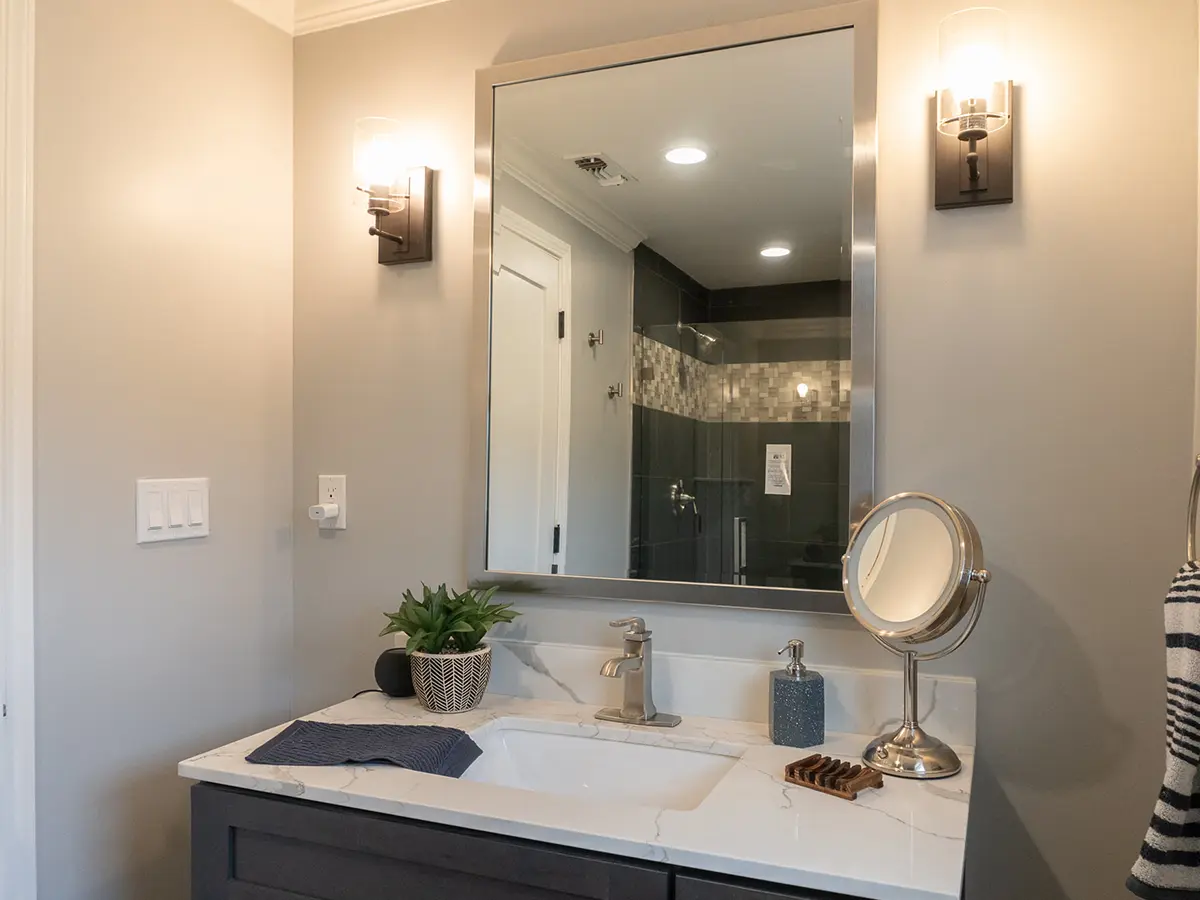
(797, 708)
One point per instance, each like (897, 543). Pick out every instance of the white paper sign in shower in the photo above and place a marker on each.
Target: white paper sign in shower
(779, 469)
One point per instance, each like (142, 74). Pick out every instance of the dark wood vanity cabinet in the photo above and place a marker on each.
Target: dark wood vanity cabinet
(249, 846)
(692, 886)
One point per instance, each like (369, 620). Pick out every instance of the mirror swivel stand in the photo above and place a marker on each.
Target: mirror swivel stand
(910, 752)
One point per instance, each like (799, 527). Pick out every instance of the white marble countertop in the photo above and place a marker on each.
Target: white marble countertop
(904, 842)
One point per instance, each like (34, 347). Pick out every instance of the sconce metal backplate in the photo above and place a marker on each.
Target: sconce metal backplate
(953, 188)
(414, 224)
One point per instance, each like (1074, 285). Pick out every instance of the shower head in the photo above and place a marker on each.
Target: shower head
(705, 342)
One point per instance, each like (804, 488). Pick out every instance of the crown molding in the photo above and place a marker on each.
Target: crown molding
(280, 13)
(516, 162)
(298, 17)
(319, 15)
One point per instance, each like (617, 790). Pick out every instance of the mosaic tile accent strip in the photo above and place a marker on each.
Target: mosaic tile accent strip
(667, 380)
(767, 392)
(674, 382)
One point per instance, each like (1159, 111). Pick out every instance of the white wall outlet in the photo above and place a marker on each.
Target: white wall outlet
(171, 509)
(331, 489)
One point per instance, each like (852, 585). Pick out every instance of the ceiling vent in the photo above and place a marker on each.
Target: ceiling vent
(602, 169)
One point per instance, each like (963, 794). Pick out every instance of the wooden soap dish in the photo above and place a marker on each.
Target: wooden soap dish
(832, 776)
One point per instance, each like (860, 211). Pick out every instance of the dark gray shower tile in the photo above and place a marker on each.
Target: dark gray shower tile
(636, 518)
(693, 306)
(708, 450)
(815, 450)
(815, 512)
(655, 303)
(771, 517)
(843, 432)
(676, 561)
(673, 447)
(781, 301)
(663, 522)
(638, 450)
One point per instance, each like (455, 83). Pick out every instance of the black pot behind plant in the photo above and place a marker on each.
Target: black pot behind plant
(393, 673)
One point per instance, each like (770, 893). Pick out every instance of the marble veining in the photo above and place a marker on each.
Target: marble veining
(905, 842)
(857, 701)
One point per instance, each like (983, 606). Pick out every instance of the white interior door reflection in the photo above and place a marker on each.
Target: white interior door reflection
(529, 428)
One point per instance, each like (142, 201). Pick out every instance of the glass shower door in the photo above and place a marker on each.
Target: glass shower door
(681, 526)
(714, 407)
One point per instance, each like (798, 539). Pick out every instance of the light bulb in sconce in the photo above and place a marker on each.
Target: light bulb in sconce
(399, 196)
(802, 390)
(974, 54)
(379, 168)
(974, 101)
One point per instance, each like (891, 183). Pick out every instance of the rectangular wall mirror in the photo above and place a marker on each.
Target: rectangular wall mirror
(676, 243)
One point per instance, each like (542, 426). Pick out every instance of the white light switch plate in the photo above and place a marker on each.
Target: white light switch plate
(171, 509)
(332, 489)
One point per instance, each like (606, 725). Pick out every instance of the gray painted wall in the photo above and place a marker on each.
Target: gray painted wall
(1053, 399)
(163, 348)
(601, 443)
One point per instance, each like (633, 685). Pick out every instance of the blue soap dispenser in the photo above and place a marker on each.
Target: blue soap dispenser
(797, 713)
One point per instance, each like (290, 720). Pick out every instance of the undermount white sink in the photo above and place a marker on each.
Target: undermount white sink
(598, 764)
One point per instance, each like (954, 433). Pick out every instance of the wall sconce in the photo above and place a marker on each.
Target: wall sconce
(400, 198)
(974, 165)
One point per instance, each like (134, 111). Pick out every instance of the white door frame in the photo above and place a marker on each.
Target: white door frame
(18, 833)
(560, 250)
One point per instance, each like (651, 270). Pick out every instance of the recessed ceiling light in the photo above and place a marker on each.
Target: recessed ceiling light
(775, 252)
(686, 156)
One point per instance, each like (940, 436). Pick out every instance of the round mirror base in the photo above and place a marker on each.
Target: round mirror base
(911, 753)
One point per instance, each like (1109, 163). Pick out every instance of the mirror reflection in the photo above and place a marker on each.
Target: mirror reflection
(905, 565)
(671, 319)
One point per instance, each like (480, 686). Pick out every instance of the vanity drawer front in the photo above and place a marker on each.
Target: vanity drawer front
(698, 887)
(249, 847)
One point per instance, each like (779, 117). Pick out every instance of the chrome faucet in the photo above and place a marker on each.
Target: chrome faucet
(634, 666)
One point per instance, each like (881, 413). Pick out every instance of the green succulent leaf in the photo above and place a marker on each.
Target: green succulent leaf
(446, 621)
(418, 641)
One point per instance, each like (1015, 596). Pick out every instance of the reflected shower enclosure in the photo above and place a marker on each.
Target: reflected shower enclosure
(713, 402)
(706, 439)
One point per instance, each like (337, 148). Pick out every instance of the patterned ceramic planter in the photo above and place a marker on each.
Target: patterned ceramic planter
(451, 682)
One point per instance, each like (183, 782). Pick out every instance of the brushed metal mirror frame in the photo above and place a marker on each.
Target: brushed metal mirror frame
(862, 17)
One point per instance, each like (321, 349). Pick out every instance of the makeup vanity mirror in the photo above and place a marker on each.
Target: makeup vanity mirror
(912, 573)
(675, 246)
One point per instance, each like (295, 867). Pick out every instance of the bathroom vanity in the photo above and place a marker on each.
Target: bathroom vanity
(561, 805)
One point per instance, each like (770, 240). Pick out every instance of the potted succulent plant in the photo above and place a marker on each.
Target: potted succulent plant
(451, 664)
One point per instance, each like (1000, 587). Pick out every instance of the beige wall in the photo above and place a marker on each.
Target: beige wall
(163, 348)
(1036, 366)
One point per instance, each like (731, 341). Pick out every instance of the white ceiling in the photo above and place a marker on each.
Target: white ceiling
(306, 16)
(776, 118)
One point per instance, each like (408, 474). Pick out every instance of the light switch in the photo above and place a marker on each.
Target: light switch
(175, 509)
(172, 509)
(195, 504)
(154, 510)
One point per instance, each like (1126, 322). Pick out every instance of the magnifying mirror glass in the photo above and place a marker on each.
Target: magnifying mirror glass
(912, 572)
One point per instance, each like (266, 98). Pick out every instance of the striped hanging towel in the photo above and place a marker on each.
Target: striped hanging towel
(1169, 865)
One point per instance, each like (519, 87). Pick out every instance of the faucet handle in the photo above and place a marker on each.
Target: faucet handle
(637, 625)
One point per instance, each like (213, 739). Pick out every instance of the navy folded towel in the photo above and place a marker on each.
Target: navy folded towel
(432, 749)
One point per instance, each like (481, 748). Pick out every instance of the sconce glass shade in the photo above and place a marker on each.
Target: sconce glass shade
(379, 166)
(975, 97)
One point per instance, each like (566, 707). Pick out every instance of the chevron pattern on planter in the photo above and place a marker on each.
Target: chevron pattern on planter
(451, 682)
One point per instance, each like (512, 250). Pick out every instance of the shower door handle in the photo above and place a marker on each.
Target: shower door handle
(739, 550)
